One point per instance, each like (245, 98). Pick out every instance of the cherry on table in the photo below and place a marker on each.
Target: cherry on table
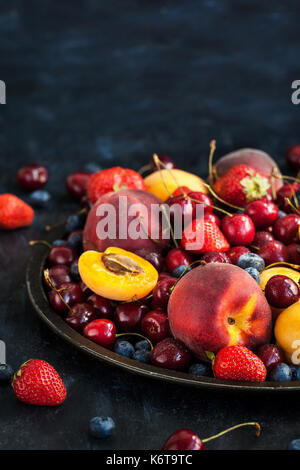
(80, 315)
(263, 213)
(273, 252)
(33, 176)
(184, 439)
(178, 257)
(293, 156)
(155, 326)
(71, 294)
(59, 274)
(281, 291)
(271, 355)
(62, 255)
(76, 184)
(102, 306)
(128, 316)
(234, 253)
(161, 292)
(286, 228)
(238, 229)
(101, 331)
(171, 354)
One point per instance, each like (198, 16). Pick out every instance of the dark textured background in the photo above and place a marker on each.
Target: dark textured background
(112, 82)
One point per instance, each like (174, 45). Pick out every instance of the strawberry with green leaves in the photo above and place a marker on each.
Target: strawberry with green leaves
(242, 184)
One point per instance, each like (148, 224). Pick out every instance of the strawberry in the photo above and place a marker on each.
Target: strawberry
(111, 179)
(211, 240)
(241, 184)
(38, 383)
(14, 213)
(238, 363)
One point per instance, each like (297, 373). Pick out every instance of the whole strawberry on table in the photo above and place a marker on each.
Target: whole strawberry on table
(227, 306)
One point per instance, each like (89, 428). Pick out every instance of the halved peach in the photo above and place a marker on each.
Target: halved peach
(117, 274)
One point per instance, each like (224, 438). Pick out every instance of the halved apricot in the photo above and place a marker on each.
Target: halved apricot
(117, 274)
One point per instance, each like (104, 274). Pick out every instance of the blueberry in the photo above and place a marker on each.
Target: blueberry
(101, 426)
(124, 348)
(39, 198)
(295, 372)
(294, 444)
(180, 270)
(281, 214)
(75, 222)
(201, 369)
(251, 260)
(143, 345)
(281, 373)
(74, 272)
(59, 242)
(6, 373)
(142, 356)
(75, 241)
(253, 273)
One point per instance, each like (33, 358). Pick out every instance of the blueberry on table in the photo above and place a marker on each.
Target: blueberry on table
(39, 198)
(75, 222)
(6, 373)
(253, 273)
(124, 348)
(201, 369)
(59, 242)
(142, 355)
(294, 444)
(281, 373)
(251, 260)
(101, 426)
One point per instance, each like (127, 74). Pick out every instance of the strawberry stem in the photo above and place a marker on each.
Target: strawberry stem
(237, 426)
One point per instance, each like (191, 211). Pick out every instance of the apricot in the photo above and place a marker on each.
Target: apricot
(287, 332)
(268, 273)
(219, 305)
(117, 274)
(99, 235)
(157, 182)
(255, 158)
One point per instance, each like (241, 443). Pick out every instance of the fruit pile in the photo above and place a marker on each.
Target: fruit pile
(226, 307)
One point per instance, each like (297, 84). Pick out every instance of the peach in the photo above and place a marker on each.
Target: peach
(219, 305)
(165, 182)
(117, 274)
(141, 202)
(255, 158)
(287, 332)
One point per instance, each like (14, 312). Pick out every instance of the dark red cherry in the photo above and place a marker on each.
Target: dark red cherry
(70, 292)
(80, 315)
(76, 184)
(234, 253)
(128, 316)
(182, 210)
(161, 292)
(286, 229)
(171, 354)
(167, 162)
(215, 257)
(287, 191)
(213, 218)
(62, 255)
(271, 355)
(281, 291)
(155, 258)
(183, 439)
(101, 331)
(273, 252)
(32, 177)
(262, 238)
(178, 257)
(59, 274)
(202, 198)
(293, 251)
(263, 213)
(87, 292)
(238, 229)
(155, 326)
(293, 156)
(102, 306)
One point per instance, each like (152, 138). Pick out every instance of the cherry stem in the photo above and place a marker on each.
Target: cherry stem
(39, 242)
(237, 426)
(280, 263)
(136, 334)
(295, 209)
(169, 225)
(222, 200)
(145, 168)
(158, 165)
(212, 145)
(51, 285)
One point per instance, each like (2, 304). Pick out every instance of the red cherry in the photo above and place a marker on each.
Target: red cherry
(128, 316)
(164, 275)
(234, 253)
(182, 210)
(101, 305)
(178, 257)
(80, 315)
(286, 191)
(101, 331)
(273, 252)
(59, 274)
(161, 292)
(262, 238)
(32, 177)
(293, 251)
(167, 162)
(204, 199)
(271, 355)
(70, 292)
(171, 354)
(155, 326)
(85, 290)
(238, 229)
(155, 258)
(76, 184)
(183, 439)
(293, 156)
(286, 229)
(62, 255)
(215, 257)
(281, 291)
(213, 218)
(181, 190)
(262, 213)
